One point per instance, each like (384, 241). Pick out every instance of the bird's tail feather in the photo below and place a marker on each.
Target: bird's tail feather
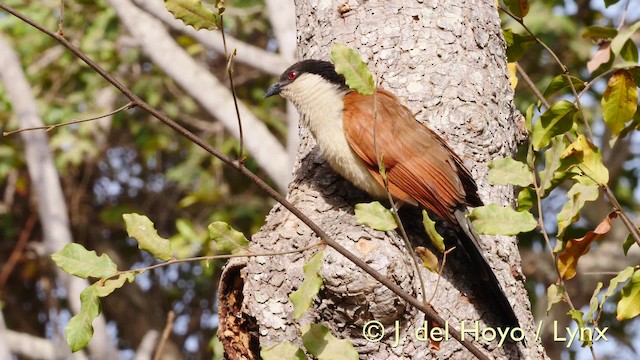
(472, 247)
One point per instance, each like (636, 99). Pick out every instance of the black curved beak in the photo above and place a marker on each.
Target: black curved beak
(274, 89)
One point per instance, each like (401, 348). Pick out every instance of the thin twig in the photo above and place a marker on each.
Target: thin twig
(444, 261)
(51, 127)
(553, 256)
(61, 21)
(532, 86)
(565, 69)
(428, 310)
(229, 59)
(171, 316)
(209, 258)
(633, 230)
(624, 15)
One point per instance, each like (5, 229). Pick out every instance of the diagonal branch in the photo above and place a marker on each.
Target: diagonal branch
(428, 310)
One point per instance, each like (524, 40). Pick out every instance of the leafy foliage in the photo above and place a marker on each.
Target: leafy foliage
(507, 171)
(493, 219)
(78, 261)
(141, 228)
(282, 351)
(302, 299)
(350, 65)
(430, 227)
(227, 238)
(323, 345)
(194, 13)
(375, 216)
(79, 330)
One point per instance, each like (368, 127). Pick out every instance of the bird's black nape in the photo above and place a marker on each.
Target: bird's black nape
(319, 67)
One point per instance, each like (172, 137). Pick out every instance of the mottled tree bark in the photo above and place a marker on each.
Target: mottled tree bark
(446, 60)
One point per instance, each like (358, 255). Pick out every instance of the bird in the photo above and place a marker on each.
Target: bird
(420, 168)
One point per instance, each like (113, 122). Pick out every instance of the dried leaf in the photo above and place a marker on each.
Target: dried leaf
(575, 248)
(602, 56)
(429, 259)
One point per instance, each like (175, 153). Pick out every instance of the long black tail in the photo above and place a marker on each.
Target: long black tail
(472, 247)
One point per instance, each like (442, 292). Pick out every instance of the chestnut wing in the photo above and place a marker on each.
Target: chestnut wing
(419, 165)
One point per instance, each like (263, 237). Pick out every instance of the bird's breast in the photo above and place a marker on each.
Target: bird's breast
(327, 129)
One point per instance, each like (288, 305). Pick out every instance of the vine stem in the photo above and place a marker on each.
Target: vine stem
(229, 58)
(55, 126)
(428, 310)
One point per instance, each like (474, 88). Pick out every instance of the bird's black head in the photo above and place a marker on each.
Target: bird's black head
(319, 67)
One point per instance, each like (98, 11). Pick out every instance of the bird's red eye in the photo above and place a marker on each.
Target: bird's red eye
(292, 75)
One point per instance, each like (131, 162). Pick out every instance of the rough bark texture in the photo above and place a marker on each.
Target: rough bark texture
(446, 59)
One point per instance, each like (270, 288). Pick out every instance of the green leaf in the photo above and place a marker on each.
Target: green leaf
(78, 261)
(375, 216)
(193, 13)
(608, 3)
(302, 299)
(507, 171)
(558, 119)
(526, 199)
(555, 294)
(141, 228)
(283, 351)
(622, 276)
(104, 288)
(629, 304)
(519, 8)
(578, 316)
(584, 158)
(528, 116)
(619, 101)
(516, 44)
(593, 302)
(599, 32)
(552, 163)
(493, 219)
(635, 73)
(350, 65)
(320, 343)
(629, 51)
(79, 330)
(578, 195)
(619, 41)
(628, 243)
(560, 82)
(227, 239)
(430, 227)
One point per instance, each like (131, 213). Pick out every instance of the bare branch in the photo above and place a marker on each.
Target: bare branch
(77, 121)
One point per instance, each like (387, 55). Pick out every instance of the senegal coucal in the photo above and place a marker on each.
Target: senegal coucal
(420, 168)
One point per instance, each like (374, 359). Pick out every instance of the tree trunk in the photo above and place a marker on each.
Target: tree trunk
(446, 60)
